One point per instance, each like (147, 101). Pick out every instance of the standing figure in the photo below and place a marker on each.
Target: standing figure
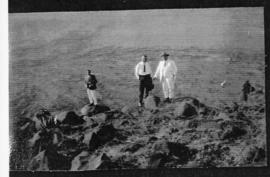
(143, 74)
(91, 85)
(167, 71)
(246, 90)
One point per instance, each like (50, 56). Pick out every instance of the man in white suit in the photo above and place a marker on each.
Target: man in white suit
(166, 71)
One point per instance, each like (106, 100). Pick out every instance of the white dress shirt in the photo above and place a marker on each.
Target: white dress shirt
(166, 69)
(139, 69)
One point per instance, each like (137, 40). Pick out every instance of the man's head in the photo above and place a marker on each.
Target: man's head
(144, 58)
(164, 56)
(89, 72)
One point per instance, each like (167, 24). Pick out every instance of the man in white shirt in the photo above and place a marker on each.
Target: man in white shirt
(143, 73)
(167, 71)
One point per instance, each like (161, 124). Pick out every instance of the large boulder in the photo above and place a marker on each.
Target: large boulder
(151, 102)
(127, 109)
(185, 109)
(157, 160)
(94, 162)
(99, 118)
(233, 132)
(80, 161)
(39, 162)
(26, 128)
(89, 110)
(159, 154)
(193, 101)
(69, 118)
(222, 117)
(49, 159)
(181, 151)
(104, 134)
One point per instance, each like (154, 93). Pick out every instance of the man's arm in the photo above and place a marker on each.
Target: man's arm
(136, 71)
(86, 81)
(174, 69)
(157, 70)
(150, 69)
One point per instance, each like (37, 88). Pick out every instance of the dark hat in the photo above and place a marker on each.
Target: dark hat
(164, 54)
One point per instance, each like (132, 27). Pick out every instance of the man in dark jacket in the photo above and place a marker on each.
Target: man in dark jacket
(91, 85)
(246, 90)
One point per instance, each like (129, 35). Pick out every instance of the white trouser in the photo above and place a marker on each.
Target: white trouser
(168, 87)
(92, 96)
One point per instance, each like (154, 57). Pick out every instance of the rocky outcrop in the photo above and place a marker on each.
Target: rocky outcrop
(68, 118)
(104, 134)
(185, 133)
(151, 102)
(185, 110)
(89, 110)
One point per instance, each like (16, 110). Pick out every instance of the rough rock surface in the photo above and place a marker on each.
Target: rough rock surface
(185, 109)
(151, 102)
(89, 110)
(69, 118)
(175, 136)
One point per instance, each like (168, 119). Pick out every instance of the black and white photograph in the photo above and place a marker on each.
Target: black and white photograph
(137, 89)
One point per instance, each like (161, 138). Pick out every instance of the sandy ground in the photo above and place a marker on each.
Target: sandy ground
(50, 53)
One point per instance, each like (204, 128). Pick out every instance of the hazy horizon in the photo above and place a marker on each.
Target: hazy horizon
(175, 28)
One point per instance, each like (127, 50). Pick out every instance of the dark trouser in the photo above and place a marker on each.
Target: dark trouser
(145, 81)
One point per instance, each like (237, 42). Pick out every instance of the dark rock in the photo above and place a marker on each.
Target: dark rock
(262, 110)
(222, 117)
(39, 162)
(127, 109)
(202, 111)
(26, 128)
(255, 154)
(160, 147)
(69, 118)
(34, 139)
(194, 102)
(133, 147)
(181, 151)
(157, 160)
(44, 139)
(260, 91)
(193, 123)
(152, 139)
(99, 118)
(49, 159)
(151, 102)
(94, 162)
(102, 136)
(233, 133)
(88, 110)
(185, 109)
(57, 161)
(89, 122)
(80, 161)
